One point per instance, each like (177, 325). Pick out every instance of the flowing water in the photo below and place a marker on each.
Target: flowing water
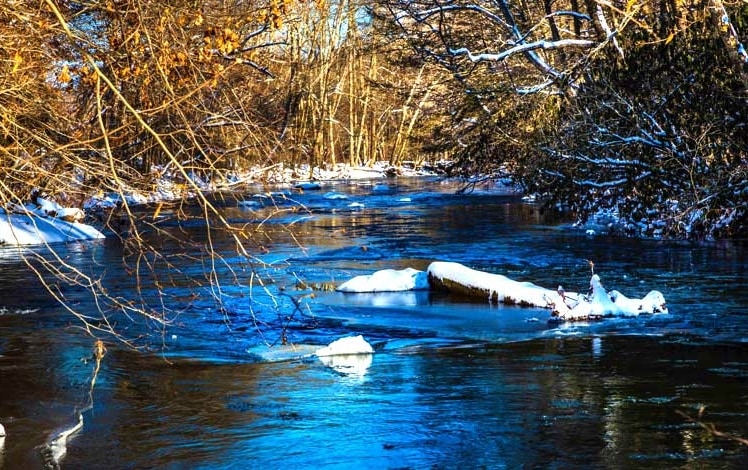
(453, 384)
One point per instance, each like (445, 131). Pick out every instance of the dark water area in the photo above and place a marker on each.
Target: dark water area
(454, 383)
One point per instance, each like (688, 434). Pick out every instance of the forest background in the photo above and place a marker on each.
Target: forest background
(633, 106)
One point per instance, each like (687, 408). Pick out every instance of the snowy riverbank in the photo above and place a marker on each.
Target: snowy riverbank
(43, 221)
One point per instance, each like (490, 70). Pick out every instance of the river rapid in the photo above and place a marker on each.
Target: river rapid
(454, 383)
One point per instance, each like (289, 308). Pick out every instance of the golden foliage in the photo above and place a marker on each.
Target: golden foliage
(64, 77)
(17, 61)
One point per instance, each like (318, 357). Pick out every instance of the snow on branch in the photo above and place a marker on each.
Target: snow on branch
(634, 139)
(529, 90)
(603, 162)
(612, 183)
(611, 34)
(521, 48)
(572, 13)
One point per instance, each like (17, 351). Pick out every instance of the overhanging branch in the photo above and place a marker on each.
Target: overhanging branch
(522, 48)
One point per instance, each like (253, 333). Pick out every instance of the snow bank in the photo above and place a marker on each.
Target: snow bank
(42, 220)
(32, 229)
(387, 280)
(131, 198)
(302, 174)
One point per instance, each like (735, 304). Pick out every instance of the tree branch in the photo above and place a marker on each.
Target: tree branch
(522, 48)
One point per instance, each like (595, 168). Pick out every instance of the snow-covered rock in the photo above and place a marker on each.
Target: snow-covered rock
(343, 347)
(596, 304)
(308, 185)
(600, 303)
(387, 280)
(349, 345)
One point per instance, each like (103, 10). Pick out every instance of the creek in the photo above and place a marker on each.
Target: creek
(454, 383)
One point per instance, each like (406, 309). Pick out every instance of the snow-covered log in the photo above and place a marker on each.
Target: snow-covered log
(455, 277)
(566, 306)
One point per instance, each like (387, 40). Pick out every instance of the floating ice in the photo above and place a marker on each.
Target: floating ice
(332, 195)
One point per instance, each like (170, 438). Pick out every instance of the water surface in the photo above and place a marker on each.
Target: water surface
(454, 383)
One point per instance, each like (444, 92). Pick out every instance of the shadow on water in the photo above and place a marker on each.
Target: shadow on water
(453, 383)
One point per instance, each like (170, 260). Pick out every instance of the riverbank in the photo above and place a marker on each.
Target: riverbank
(43, 220)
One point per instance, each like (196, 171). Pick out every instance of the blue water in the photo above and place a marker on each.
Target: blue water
(454, 383)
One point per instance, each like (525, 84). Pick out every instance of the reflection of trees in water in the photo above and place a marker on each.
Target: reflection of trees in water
(572, 402)
(157, 413)
(45, 379)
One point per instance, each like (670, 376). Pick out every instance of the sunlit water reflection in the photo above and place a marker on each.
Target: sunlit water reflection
(453, 383)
